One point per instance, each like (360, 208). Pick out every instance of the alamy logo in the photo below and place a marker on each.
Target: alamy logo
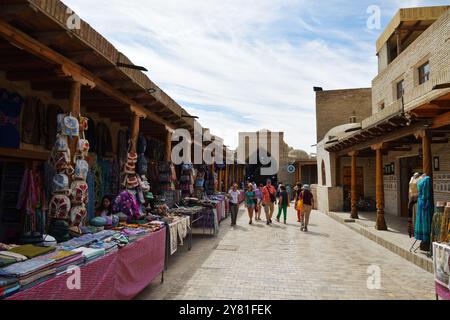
(74, 280)
(374, 20)
(73, 22)
(374, 280)
(214, 152)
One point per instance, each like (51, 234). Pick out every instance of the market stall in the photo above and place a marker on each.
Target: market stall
(119, 275)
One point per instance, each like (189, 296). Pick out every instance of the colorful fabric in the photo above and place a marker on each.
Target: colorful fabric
(16, 256)
(436, 224)
(31, 251)
(445, 226)
(22, 269)
(10, 108)
(250, 198)
(425, 209)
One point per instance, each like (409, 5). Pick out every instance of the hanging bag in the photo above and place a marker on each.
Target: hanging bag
(78, 215)
(71, 126)
(300, 203)
(81, 169)
(79, 192)
(59, 207)
(60, 183)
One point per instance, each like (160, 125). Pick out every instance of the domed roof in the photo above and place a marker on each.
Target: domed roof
(298, 154)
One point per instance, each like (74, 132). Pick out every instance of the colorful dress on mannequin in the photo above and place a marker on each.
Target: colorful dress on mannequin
(425, 209)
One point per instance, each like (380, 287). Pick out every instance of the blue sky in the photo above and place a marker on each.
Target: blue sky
(245, 65)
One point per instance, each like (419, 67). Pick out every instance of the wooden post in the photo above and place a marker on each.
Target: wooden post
(427, 160)
(381, 223)
(399, 43)
(226, 177)
(354, 193)
(168, 156)
(75, 98)
(135, 123)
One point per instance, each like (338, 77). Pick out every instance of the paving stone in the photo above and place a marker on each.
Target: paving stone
(281, 262)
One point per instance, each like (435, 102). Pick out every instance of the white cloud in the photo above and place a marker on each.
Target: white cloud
(241, 65)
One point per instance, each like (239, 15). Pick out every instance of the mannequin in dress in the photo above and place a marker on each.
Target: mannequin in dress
(413, 196)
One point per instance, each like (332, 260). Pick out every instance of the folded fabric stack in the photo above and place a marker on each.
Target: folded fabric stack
(31, 251)
(30, 272)
(8, 286)
(134, 233)
(86, 240)
(90, 254)
(7, 258)
(107, 246)
(64, 259)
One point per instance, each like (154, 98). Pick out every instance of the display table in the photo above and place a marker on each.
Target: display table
(441, 262)
(120, 275)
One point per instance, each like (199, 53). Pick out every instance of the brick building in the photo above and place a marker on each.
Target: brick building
(408, 129)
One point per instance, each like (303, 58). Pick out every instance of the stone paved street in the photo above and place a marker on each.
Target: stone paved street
(281, 262)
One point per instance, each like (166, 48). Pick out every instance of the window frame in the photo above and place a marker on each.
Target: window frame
(423, 77)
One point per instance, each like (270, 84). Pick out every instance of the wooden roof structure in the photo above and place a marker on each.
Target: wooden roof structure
(36, 45)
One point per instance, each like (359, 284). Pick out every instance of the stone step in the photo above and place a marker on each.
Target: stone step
(365, 230)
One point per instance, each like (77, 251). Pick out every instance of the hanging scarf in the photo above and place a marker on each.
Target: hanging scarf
(425, 209)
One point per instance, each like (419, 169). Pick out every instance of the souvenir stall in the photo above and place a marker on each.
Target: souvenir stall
(440, 237)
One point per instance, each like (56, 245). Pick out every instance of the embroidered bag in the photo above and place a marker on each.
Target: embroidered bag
(61, 144)
(59, 207)
(71, 126)
(84, 123)
(60, 183)
(132, 182)
(78, 215)
(81, 169)
(79, 192)
(60, 122)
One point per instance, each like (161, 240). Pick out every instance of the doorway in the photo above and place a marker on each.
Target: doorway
(408, 166)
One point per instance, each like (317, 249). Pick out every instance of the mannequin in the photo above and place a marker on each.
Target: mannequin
(413, 195)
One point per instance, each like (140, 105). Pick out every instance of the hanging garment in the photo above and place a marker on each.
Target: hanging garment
(105, 165)
(104, 141)
(114, 177)
(91, 136)
(445, 226)
(173, 238)
(436, 224)
(10, 108)
(98, 184)
(425, 209)
(122, 145)
(52, 125)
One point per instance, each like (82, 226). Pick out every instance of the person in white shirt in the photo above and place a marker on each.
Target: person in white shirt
(233, 195)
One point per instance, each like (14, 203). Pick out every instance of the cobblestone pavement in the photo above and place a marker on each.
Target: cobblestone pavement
(281, 262)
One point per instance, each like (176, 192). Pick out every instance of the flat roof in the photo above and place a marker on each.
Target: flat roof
(409, 16)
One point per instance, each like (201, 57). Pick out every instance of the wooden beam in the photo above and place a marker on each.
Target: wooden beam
(394, 135)
(10, 12)
(51, 37)
(354, 194)
(441, 121)
(33, 46)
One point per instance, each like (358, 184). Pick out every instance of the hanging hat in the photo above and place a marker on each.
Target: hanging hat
(132, 157)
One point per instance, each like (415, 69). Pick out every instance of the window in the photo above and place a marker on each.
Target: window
(400, 89)
(424, 72)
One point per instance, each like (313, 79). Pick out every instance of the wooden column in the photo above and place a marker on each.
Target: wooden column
(399, 42)
(381, 222)
(354, 193)
(427, 160)
(168, 156)
(135, 124)
(75, 98)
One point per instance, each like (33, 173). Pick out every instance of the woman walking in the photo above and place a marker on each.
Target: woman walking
(308, 202)
(259, 196)
(298, 190)
(283, 203)
(250, 201)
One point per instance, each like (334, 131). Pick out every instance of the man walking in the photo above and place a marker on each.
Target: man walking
(233, 195)
(269, 199)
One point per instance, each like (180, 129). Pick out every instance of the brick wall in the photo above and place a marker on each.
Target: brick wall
(335, 107)
(432, 45)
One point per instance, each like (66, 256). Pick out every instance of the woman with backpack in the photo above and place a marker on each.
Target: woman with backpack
(307, 199)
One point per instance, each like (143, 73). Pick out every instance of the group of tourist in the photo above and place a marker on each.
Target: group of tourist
(259, 197)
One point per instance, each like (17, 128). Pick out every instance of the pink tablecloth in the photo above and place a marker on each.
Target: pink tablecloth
(442, 292)
(120, 275)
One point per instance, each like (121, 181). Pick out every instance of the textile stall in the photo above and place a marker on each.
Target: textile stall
(118, 275)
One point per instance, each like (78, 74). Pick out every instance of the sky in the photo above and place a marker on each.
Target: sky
(246, 65)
